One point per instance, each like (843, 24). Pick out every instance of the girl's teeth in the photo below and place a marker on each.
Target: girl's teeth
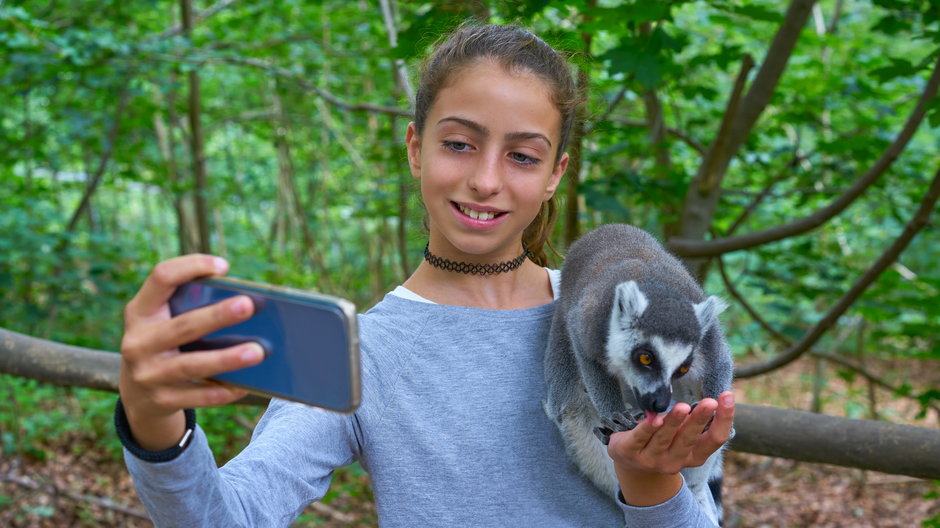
(476, 215)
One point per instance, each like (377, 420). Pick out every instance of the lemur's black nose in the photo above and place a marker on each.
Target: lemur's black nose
(656, 401)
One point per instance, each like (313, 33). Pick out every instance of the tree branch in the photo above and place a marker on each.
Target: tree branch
(712, 170)
(105, 158)
(701, 199)
(401, 70)
(56, 363)
(919, 220)
(696, 248)
(811, 437)
(775, 62)
(751, 207)
(307, 85)
(901, 449)
(687, 139)
(198, 17)
(785, 341)
(589, 127)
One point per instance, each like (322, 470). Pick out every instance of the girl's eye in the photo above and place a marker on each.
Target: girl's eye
(518, 157)
(456, 146)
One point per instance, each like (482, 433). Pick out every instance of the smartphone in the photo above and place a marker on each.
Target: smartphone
(310, 340)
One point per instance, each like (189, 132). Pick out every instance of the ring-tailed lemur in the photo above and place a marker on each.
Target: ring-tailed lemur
(632, 332)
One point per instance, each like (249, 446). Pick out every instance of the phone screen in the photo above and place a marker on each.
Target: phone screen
(310, 341)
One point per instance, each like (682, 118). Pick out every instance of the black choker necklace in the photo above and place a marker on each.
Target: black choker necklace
(475, 269)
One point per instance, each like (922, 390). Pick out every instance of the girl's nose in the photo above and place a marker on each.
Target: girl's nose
(487, 179)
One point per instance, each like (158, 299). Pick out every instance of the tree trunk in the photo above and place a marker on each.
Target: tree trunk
(165, 140)
(702, 196)
(572, 227)
(196, 147)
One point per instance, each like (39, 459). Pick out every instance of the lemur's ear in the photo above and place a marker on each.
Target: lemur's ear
(707, 312)
(629, 301)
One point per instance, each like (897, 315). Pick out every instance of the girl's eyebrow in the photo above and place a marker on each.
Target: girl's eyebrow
(482, 130)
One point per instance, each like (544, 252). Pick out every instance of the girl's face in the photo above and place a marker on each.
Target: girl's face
(486, 161)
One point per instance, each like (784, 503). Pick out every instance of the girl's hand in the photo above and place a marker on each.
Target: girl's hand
(647, 459)
(156, 381)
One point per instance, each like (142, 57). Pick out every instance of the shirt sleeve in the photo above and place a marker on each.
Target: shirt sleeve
(287, 465)
(681, 511)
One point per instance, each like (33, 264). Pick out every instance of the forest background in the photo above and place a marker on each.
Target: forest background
(788, 152)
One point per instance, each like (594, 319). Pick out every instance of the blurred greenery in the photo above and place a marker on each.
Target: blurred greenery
(307, 193)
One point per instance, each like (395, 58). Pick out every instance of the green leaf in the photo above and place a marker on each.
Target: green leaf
(897, 68)
(630, 59)
(755, 12)
(933, 112)
(634, 13)
(847, 374)
(892, 25)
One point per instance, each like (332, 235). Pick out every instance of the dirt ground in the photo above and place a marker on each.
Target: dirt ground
(759, 492)
(76, 486)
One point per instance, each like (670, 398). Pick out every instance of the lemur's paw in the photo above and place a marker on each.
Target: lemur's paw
(617, 422)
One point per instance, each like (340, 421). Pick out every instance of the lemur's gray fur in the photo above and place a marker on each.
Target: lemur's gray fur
(622, 296)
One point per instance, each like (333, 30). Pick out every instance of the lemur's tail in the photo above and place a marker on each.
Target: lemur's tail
(714, 485)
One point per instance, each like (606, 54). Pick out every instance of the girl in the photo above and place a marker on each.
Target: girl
(451, 427)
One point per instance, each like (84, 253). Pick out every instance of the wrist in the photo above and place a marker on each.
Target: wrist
(647, 488)
(158, 440)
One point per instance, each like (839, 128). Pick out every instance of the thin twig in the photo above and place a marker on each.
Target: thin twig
(332, 512)
(917, 223)
(689, 140)
(55, 491)
(197, 17)
(307, 85)
(785, 341)
(710, 248)
(588, 128)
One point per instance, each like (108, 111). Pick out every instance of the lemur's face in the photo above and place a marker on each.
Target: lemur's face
(642, 358)
(649, 365)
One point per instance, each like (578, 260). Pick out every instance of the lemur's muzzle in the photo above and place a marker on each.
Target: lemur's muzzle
(656, 401)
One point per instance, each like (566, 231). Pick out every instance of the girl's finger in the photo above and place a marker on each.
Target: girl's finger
(720, 430)
(198, 395)
(163, 280)
(185, 328)
(664, 437)
(633, 441)
(690, 433)
(184, 367)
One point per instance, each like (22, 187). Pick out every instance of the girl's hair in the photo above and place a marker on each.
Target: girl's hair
(518, 51)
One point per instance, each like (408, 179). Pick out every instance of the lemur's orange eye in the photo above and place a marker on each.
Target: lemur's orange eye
(645, 359)
(683, 369)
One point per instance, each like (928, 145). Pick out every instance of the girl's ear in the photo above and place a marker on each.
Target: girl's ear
(413, 142)
(557, 173)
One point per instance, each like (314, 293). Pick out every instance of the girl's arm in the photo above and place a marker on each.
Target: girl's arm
(287, 465)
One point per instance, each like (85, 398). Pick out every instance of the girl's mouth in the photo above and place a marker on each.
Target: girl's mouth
(477, 214)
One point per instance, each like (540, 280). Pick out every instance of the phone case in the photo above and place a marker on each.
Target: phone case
(311, 341)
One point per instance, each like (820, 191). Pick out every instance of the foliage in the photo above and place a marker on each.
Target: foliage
(306, 192)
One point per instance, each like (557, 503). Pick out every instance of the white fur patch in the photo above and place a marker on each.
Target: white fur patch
(630, 300)
(622, 332)
(707, 312)
(670, 354)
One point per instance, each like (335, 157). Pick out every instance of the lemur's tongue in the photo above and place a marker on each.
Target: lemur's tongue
(651, 416)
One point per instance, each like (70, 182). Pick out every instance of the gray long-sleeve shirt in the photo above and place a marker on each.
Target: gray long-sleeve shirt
(451, 430)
